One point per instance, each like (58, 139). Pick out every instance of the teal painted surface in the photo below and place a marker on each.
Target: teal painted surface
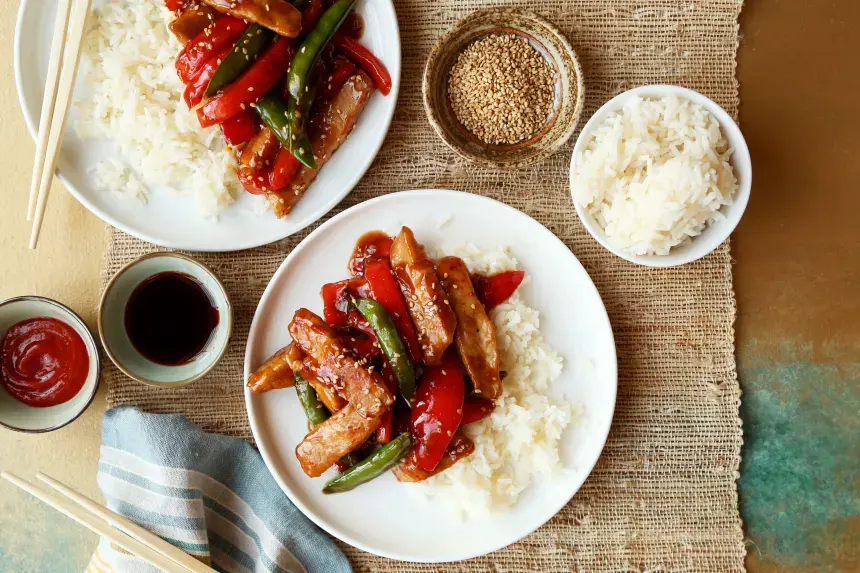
(800, 473)
(37, 539)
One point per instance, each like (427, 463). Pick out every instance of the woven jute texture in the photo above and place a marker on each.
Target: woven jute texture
(663, 496)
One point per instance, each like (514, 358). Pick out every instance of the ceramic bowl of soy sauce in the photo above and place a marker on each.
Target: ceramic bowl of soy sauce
(165, 320)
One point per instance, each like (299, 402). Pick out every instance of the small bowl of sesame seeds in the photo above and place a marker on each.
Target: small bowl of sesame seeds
(503, 88)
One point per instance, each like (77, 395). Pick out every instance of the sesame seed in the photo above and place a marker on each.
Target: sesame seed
(501, 89)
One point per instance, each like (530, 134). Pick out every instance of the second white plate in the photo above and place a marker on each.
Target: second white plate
(171, 219)
(382, 517)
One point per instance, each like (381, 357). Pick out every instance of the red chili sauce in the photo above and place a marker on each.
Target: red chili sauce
(43, 362)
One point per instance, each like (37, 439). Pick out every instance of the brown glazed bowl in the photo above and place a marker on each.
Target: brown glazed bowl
(555, 49)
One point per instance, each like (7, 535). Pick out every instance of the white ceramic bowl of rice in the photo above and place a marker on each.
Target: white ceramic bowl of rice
(653, 179)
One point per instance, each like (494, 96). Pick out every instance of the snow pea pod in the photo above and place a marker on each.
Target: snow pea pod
(297, 113)
(299, 75)
(391, 343)
(273, 111)
(250, 45)
(371, 467)
(314, 409)
(317, 413)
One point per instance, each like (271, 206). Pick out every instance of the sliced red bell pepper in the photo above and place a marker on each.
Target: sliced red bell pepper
(476, 408)
(284, 169)
(203, 120)
(362, 345)
(253, 84)
(194, 90)
(342, 71)
(176, 5)
(358, 322)
(365, 59)
(374, 245)
(335, 303)
(494, 290)
(385, 432)
(239, 129)
(224, 32)
(385, 290)
(438, 411)
(337, 310)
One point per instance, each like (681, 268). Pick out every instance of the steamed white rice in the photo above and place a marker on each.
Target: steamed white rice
(520, 440)
(655, 174)
(132, 96)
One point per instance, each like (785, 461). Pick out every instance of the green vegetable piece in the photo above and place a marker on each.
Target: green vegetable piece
(300, 145)
(373, 466)
(314, 409)
(392, 345)
(240, 58)
(273, 111)
(299, 76)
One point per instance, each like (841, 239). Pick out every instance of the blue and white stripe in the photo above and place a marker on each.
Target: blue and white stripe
(210, 495)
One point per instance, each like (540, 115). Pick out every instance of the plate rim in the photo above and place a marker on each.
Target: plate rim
(602, 431)
(312, 218)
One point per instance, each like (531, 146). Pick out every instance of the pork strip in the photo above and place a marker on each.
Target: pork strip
(276, 15)
(328, 127)
(326, 392)
(460, 447)
(277, 371)
(344, 432)
(192, 21)
(427, 301)
(476, 334)
(358, 384)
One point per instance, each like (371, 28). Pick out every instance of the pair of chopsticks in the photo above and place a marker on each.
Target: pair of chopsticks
(62, 69)
(119, 530)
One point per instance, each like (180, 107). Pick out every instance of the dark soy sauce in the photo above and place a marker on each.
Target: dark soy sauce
(169, 318)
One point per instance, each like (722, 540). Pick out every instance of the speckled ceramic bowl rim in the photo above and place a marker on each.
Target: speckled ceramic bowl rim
(92, 356)
(128, 372)
(436, 53)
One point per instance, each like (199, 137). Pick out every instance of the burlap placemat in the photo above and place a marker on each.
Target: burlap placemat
(663, 496)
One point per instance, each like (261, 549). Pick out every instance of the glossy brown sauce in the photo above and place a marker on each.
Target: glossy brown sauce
(371, 245)
(169, 318)
(353, 26)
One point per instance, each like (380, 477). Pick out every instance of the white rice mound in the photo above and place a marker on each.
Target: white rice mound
(655, 174)
(133, 97)
(520, 440)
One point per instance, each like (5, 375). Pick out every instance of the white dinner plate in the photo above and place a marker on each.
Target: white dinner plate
(171, 219)
(381, 516)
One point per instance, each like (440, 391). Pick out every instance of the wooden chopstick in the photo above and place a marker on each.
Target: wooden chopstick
(48, 101)
(127, 526)
(71, 56)
(99, 526)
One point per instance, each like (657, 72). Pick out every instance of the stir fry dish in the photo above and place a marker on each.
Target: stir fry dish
(285, 82)
(402, 358)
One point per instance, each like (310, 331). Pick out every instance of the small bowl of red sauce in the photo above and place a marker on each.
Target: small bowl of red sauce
(49, 364)
(165, 320)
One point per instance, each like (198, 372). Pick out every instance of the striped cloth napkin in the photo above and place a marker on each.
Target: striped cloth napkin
(208, 494)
